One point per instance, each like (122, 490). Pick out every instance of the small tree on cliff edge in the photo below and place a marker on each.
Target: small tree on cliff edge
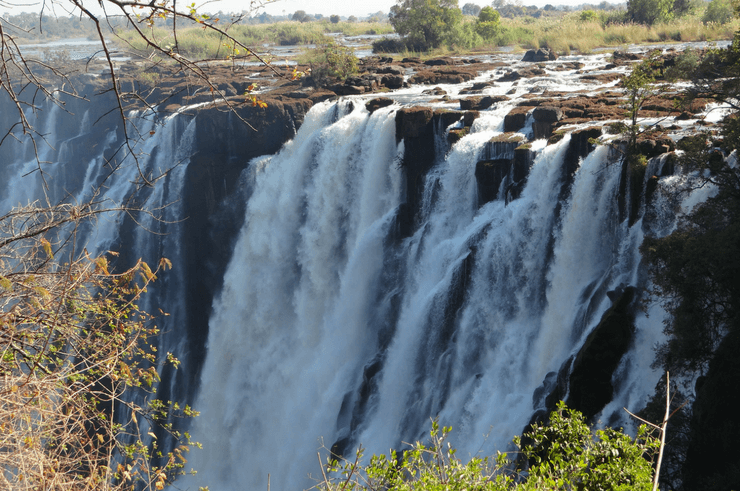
(425, 23)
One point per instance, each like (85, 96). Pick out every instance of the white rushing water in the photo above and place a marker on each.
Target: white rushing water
(330, 329)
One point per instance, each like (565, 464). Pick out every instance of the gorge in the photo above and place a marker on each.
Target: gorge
(351, 267)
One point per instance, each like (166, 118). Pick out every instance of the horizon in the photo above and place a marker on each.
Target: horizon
(278, 7)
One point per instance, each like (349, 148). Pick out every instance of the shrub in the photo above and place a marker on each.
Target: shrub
(589, 16)
(562, 455)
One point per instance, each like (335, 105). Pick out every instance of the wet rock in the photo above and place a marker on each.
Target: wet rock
(522, 73)
(547, 114)
(392, 81)
(434, 91)
(621, 57)
(480, 103)
(391, 69)
(590, 386)
(541, 54)
(442, 76)
(477, 88)
(455, 135)
(514, 121)
(445, 60)
(413, 122)
(375, 104)
(602, 78)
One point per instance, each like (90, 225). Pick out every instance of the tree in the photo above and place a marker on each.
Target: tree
(589, 16)
(75, 347)
(471, 9)
(561, 455)
(19, 73)
(425, 24)
(695, 272)
(78, 367)
(334, 19)
(489, 23)
(301, 16)
(719, 11)
(650, 11)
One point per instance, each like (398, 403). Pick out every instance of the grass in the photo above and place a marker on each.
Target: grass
(569, 34)
(197, 42)
(565, 34)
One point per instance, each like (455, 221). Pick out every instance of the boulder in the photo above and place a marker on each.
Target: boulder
(480, 103)
(375, 104)
(392, 81)
(514, 121)
(541, 54)
(413, 122)
(547, 114)
(434, 91)
(445, 60)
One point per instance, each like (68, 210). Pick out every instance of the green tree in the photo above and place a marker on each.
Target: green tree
(489, 23)
(334, 19)
(650, 11)
(695, 272)
(425, 24)
(719, 11)
(589, 16)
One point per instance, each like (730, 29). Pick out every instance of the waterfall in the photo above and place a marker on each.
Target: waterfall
(346, 316)
(331, 330)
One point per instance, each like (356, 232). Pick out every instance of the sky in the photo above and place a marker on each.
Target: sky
(358, 8)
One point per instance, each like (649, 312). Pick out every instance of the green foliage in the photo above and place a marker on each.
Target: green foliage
(589, 16)
(719, 11)
(563, 455)
(334, 19)
(301, 16)
(639, 86)
(488, 24)
(488, 14)
(695, 273)
(331, 60)
(650, 11)
(684, 67)
(425, 24)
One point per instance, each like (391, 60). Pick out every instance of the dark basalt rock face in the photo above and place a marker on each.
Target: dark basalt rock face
(711, 459)
(514, 121)
(414, 125)
(223, 147)
(590, 378)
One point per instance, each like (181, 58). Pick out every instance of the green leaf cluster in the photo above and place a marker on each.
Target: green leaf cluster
(563, 454)
(425, 24)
